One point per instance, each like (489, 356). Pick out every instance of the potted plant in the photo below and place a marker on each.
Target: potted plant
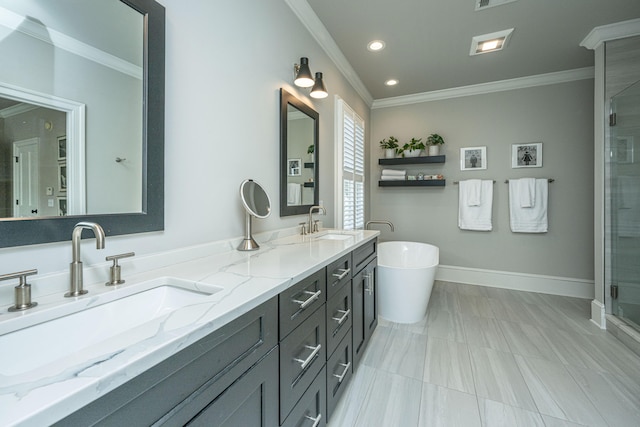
(434, 141)
(413, 148)
(310, 150)
(389, 147)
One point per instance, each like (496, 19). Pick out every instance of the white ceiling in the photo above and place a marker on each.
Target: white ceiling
(428, 41)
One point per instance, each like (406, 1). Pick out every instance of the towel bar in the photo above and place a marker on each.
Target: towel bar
(506, 181)
(458, 182)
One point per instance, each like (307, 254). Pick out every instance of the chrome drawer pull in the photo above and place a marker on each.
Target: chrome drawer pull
(344, 272)
(345, 315)
(314, 296)
(308, 360)
(346, 369)
(315, 420)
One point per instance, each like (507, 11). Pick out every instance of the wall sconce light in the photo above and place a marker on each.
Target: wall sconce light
(304, 78)
(318, 90)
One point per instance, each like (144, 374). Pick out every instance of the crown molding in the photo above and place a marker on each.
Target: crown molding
(609, 32)
(483, 88)
(16, 22)
(310, 20)
(16, 110)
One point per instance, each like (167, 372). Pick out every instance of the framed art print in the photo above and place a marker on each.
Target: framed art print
(473, 158)
(526, 155)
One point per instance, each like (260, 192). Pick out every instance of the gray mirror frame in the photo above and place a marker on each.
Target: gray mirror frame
(32, 231)
(287, 99)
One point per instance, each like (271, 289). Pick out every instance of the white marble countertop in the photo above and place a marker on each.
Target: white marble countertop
(40, 393)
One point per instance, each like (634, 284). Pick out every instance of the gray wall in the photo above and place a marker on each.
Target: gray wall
(560, 116)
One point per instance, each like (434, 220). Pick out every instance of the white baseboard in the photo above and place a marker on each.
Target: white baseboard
(598, 314)
(553, 285)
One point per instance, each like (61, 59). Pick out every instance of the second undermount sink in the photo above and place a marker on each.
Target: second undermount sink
(334, 236)
(33, 347)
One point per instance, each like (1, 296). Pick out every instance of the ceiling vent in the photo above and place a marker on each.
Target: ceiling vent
(485, 4)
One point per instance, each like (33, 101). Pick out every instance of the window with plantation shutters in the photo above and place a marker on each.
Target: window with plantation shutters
(351, 164)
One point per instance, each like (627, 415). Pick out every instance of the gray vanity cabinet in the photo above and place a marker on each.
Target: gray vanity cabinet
(364, 297)
(285, 362)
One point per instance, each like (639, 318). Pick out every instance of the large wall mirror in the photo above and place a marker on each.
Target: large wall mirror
(81, 118)
(299, 171)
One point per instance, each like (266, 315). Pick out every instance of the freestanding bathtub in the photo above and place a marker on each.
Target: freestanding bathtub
(406, 271)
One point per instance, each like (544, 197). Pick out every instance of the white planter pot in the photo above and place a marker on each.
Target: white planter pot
(434, 150)
(390, 153)
(412, 153)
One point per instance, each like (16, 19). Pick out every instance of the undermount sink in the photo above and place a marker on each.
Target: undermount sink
(33, 347)
(334, 236)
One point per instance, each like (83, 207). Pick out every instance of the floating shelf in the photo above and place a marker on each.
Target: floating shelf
(308, 184)
(412, 160)
(416, 183)
(309, 164)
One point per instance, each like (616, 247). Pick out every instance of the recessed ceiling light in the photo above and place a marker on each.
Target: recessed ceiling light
(492, 42)
(375, 45)
(391, 82)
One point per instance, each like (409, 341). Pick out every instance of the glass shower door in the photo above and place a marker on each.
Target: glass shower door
(625, 205)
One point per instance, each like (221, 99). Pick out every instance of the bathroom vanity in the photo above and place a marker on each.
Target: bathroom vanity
(274, 345)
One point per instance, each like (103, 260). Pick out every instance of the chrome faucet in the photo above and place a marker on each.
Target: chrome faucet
(311, 227)
(377, 221)
(76, 288)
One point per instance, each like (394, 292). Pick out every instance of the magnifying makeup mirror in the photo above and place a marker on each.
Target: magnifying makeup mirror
(256, 203)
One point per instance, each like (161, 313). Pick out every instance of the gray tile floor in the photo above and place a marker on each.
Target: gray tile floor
(494, 357)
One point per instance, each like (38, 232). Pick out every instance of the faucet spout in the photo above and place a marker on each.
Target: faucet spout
(76, 282)
(318, 208)
(377, 221)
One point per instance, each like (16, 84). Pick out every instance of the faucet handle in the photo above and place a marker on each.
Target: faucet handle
(115, 277)
(303, 230)
(22, 292)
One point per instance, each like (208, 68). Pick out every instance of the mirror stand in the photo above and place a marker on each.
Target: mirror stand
(256, 203)
(248, 244)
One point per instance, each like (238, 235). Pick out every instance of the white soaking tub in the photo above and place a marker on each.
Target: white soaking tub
(406, 271)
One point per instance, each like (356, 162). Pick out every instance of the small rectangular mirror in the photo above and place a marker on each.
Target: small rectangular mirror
(299, 170)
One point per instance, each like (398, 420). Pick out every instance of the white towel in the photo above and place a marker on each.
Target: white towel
(475, 217)
(294, 193)
(473, 190)
(393, 172)
(527, 191)
(532, 219)
(393, 178)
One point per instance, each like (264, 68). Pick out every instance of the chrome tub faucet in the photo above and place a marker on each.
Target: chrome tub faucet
(378, 221)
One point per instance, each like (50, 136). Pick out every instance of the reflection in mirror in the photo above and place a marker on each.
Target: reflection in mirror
(75, 63)
(82, 108)
(256, 203)
(299, 156)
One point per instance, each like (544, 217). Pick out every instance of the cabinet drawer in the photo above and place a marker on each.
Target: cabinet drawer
(339, 371)
(302, 356)
(364, 254)
(311, 409)
(300, 300)
(339, 318)
(338, 274)
(250, 401)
